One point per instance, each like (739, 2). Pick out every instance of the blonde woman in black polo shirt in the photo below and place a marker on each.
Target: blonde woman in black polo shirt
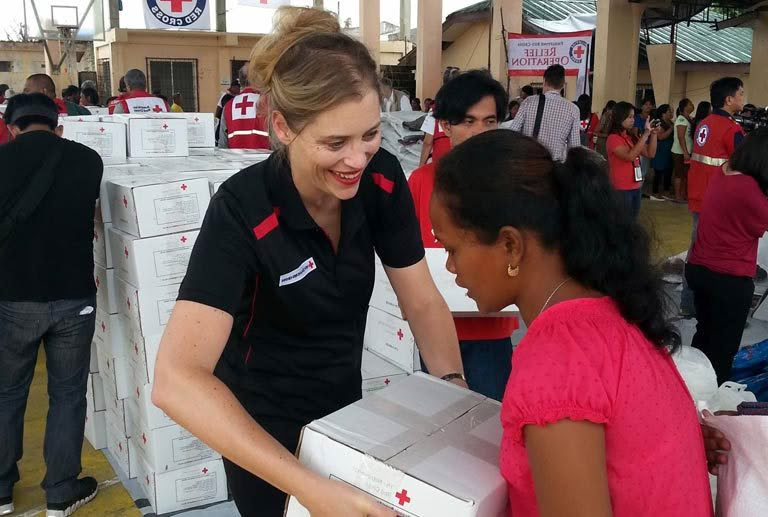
(267, 334)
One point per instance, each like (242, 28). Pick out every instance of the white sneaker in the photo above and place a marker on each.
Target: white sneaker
(657, 198)
(6, 506)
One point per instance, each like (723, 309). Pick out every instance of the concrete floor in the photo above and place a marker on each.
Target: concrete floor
(670, 224)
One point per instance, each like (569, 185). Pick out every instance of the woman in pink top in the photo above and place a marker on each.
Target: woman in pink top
(597, 421)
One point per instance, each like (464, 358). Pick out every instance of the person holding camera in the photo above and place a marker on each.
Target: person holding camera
(624, 152)
(722, 263)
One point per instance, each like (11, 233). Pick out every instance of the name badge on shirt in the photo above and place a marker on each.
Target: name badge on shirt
(638, 170)
(299, 273)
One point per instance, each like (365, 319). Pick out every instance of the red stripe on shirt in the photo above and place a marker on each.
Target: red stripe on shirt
(267, 225)
(386, 185)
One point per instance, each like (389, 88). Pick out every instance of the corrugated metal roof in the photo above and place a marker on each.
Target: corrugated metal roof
(697, 42)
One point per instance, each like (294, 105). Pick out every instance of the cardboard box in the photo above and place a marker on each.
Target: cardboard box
(93, 367)
(117, 376)
(94, 392)
(93, 117)
(385, 299)
(154, 261)
(201, 130)
(120, 447)
(96, 428)
(147, 310)
(111, 336)
(154, 137)
(151, 416)
(171, 447)
(378, 373)
(117, 415)
(144, 357)
(201, 484)
(150, 206)
(103, 211)
(391, 338)
(435, 453)
(102, 253)
(106, 138)
(105, 289)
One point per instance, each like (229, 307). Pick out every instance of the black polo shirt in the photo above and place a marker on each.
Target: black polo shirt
(299, 308)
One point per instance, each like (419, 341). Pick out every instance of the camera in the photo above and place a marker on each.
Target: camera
(752, 118)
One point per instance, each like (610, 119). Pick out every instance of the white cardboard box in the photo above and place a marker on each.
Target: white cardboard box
(155, 137)
(94, 392)
(93, 117)
(435, 453)
(111, 336)
(96, 428)
(105, 289)
(147, 310)
(102, 253)
(384, 297)
(196, 485)
(144, 357)
(117, 376)
(154, 261)
(151, 416)
(149, 206)
(378, 373)
(106, 138)
(94, 366)
(201, 129)
(117, 415)
(391, 338)
(120, 447)
(168, 448)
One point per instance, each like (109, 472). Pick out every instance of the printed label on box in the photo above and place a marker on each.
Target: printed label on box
(197, 488)
(177, 209)
(158, 140)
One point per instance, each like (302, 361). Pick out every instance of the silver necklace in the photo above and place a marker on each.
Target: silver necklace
(553, 294)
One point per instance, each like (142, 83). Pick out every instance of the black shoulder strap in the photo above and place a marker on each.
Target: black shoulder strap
(31, 196)
(539, 114)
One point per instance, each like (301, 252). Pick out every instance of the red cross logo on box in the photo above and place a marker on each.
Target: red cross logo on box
(125, 250)
(183, 186)
(136, 348)
(400, 334)
(158, 109)
(120, 446)
(102, 129)
(129, 302)
(144, 437)
(197, 119)
(183, 239)
(125, 201)
(402, 497)
(205, 470)
(579, 51)
(176, 5)
(138, 396)
(165, 126)
(103, 327)
(386, 382)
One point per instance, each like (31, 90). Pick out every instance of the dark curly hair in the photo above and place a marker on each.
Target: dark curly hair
(503, 178)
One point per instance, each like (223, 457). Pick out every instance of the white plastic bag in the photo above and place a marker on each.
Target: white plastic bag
(742, 484)
(697, 372)
(729, 396)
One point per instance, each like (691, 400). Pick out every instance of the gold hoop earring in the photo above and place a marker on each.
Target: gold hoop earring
(513, 271)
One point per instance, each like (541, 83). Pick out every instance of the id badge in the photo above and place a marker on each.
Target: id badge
(638, 171)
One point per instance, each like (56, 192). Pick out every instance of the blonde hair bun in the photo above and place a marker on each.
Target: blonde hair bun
(290, 25)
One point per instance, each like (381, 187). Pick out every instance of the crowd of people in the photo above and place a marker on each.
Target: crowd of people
(518, 195)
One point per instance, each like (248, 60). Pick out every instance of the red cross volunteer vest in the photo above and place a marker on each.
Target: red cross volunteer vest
(142, 102)
(246, 127)
(712, 148)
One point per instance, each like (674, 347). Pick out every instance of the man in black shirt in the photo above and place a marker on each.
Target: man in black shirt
(47, 293)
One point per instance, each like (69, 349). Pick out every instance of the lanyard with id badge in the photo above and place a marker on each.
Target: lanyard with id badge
(636, 164)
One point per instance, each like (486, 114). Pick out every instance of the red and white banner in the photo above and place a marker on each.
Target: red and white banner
(272, 4)
(531, 54)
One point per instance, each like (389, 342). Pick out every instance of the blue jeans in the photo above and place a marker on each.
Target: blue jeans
(686, 297)
(631, 200)
(65, 328)
(487, 365)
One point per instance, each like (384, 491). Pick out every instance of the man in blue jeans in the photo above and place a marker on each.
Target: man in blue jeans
(48, 191)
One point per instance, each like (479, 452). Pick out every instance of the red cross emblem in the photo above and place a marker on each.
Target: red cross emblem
(144, 437)
(129, 302)
(244, 105)
(402, 497)
(125, 202)
(183, 239)
(205, 470)
(136, 348)
(125, 250)
(184, 186)
(120, 446)
(102, 129)
(584, 124)
(165, 126)
(386, 382)
(197, 119)
(158, 109)
(400, 334)
(579, 51)
(176, 5)
(103, 327)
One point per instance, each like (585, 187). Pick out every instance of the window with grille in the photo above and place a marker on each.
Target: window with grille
(237, 64)
(170, 76)
(104, 79)
(6, 66)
